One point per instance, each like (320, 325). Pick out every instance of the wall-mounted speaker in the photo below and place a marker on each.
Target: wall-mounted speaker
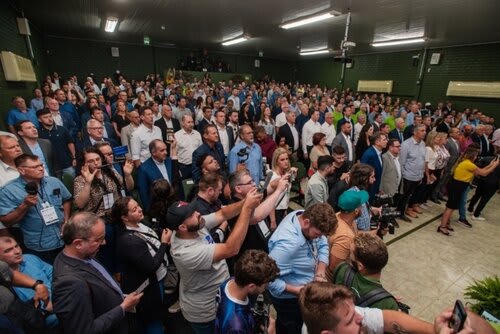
(23, 26)
(115, 52)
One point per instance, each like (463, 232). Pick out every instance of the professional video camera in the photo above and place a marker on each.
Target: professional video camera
(386, 220)
(260, 314)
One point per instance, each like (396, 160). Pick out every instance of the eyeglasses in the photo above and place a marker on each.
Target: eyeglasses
(97, 128)
(33, 167)
(99, 240)
(246, 184)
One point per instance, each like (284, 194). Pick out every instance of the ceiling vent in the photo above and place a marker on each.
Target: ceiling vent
(17, 68)
(375, 86)
(474, 89)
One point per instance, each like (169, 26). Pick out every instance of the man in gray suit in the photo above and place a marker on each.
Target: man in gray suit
(453, 147)
(344, 139)
(31, 144)
(391, 172)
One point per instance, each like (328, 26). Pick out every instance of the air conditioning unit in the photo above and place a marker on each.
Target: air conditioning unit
(375, 86)
(474, 89)
(17, 68)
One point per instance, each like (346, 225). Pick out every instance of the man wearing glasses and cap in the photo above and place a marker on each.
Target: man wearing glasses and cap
(200, 260)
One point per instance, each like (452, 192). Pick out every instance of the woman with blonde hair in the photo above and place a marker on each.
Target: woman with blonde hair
(280, 167)
(436, 159)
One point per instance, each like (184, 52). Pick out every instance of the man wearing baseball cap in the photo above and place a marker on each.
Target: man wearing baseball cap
(200, 260)
(340, 242)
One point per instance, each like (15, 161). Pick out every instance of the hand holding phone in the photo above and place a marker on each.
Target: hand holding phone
(458, 317)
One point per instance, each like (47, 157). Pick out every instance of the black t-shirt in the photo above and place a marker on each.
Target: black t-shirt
(335, 177)
(254, 238)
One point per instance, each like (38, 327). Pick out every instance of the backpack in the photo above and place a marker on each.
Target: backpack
(371, 297)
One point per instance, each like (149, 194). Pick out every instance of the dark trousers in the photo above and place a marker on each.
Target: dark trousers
(289, 318)
(186, 171)
(484, 192)
(409, 188)
(46, 256)
(203, 327)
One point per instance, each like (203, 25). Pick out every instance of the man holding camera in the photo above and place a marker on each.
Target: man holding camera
(246, 154)
(252, 274)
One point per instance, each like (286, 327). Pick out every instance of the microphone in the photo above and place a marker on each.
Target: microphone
(31, 188)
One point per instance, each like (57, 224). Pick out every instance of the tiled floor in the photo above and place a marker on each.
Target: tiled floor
(429, 271)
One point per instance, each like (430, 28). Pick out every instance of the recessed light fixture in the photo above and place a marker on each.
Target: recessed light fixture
(309, 20)
(111, 23)
(236, 40)
(399, 42)
(314, 52)
(162, 27)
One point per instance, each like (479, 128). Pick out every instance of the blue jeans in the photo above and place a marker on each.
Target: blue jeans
(463, 204)
(203, 327)
(289, 318)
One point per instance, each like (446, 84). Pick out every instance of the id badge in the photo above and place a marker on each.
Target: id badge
(264, 229)
(108, 201)
(49, 215)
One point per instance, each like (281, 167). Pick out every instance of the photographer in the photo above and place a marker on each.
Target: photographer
(253, 272)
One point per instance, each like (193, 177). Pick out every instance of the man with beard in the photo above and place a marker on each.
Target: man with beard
(200, 260)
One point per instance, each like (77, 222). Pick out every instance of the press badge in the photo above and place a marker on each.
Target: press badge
(264, 229)
(108, 201)
(49, 214)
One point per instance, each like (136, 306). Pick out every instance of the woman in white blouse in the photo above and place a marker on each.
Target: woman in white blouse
(436, 158)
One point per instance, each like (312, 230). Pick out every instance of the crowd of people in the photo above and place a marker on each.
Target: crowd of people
(116, 193)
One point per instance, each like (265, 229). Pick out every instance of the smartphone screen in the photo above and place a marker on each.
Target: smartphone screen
(458, 317)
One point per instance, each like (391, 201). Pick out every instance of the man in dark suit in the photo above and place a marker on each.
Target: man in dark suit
(207, 119)
(344, 139)
(398, 132)
(158, 166)
(445, 126)
(94, 135)
(373, 157)
(226, 133)
(86, 298)
(167, 122)
(31, 144)
(347, 118)
(212, 146)
(417, 120)
(289, 132)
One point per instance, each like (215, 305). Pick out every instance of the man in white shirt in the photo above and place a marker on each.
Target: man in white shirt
(224, 132)
(235, 99)
(328, 129)
(358, 126)
(9, 150)
(187, 140)
(311, 127)
(328, 308)
(281, 117)
(144, 135)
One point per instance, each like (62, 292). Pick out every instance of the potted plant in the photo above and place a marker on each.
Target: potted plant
(485, 296)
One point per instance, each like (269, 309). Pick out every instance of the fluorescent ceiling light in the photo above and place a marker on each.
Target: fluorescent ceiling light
(309, 20)
(111, 23)
(399, 42)
(314, 52)
(236, 40)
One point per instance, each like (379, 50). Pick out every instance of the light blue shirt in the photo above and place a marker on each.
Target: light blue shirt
(38, 270)
(295, 256)
(409, 118)
(412, 159)
(37, 235)
(37, 150)
(364, 219)
(15, 115)
(253, 163)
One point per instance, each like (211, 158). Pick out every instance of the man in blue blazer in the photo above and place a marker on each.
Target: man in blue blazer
(373, 157)
(158, 166)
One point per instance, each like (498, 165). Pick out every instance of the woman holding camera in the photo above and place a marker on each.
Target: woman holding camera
(464, 173)
(144, 259)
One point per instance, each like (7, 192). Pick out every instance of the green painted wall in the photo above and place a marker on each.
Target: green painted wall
(10, 40)
(466, 63)
(80, 57)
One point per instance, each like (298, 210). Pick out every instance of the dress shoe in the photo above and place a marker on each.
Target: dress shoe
(411, 213)
(443, 230)
(395, 223)
(417, 209)
(405, 218)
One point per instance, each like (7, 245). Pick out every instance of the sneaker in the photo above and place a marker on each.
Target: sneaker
(464, 222)
(175, 307)
(478, 218)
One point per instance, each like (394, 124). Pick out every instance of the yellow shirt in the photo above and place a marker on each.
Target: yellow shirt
(465, 171)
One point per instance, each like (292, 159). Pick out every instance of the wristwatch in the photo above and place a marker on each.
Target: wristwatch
(37, 282)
